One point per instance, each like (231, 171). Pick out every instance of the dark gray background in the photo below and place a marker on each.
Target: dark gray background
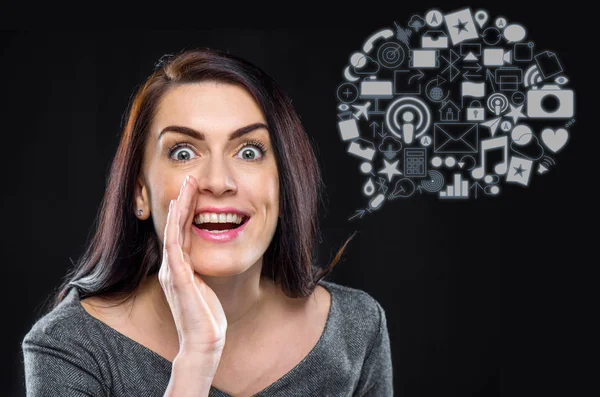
(483, 298)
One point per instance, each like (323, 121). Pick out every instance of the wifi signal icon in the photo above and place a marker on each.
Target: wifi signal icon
(545, 164)
(532, 77)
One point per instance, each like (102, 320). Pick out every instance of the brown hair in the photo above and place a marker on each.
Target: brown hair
(124, 250)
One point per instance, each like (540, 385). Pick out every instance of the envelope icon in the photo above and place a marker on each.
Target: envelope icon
(455, 138)
(434, 39)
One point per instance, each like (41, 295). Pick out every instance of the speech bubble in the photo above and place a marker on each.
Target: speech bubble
(514, 33)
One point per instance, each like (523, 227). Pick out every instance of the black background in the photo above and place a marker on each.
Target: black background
(483, 297)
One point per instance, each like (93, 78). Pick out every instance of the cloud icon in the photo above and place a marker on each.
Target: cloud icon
(389, 147)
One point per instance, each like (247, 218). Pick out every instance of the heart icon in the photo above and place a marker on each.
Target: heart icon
(555, 140)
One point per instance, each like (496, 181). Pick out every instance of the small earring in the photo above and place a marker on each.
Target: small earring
(140, 212)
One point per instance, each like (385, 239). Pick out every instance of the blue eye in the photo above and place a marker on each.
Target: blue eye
(258, 146)
(176, 148)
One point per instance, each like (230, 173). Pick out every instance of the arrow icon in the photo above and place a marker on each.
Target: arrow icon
(359, 212)
(374, 124)
(478, 67)
(492, 125)
(420, 75)
(489, 76)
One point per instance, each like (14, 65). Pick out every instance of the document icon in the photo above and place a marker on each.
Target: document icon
(548, 64)
(455, 138)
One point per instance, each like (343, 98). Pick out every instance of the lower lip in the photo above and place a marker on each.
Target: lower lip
(220, 237)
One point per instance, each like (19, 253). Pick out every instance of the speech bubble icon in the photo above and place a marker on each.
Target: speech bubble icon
(514, 33)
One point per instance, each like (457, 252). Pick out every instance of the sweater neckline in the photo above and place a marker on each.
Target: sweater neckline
(311, 358)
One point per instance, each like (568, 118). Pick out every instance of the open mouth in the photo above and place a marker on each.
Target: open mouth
(218, 227)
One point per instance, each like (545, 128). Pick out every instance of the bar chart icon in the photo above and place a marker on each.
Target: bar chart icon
(460, 189)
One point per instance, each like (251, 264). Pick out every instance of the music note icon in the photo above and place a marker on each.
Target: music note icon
(489, 144)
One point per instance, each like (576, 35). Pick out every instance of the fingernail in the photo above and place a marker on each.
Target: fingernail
(170, 205)
(185, 181)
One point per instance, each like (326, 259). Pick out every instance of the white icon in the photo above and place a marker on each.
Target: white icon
(356, 148)
(548, 64)
(506, 126)
(373, 88)
(400, 118)
(555, 140)
(545, 164)
(489, 144)
(434, 18)
(425, 59)
(492, 124)
(426, 141)
(550, 102)
(460, 189)
(348, 129)
(514, 33)
(436, 161)
(450, 162)
(380, 35)
(497, 103)
(508, 78)
(521, 135)
(449, 111)
(362, 111)
(532, 77)
(434, 39)
(390, 169)
(475, 112)
(461, 26)
(519, 170)
(500, 23)
(455, 138)
(468, 89)
(481, 17)
(516, 113)
(369, 187)
(496, 56)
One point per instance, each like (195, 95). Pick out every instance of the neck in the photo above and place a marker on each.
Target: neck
(245, 298)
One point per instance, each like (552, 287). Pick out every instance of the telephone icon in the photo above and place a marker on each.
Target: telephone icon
(382, 34)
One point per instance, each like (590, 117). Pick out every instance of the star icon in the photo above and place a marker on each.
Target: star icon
(519, 170)
(461, 26)
(390, 170)
(515, 113)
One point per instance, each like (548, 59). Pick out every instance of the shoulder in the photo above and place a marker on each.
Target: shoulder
(67, 329)
(57, 323)
(358, 308)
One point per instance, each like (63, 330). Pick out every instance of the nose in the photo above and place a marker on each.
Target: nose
(216, 177)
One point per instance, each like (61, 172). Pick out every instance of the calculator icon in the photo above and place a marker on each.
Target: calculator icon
(414, 162)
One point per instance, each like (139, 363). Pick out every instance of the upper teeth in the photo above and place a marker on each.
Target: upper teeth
(211, 217)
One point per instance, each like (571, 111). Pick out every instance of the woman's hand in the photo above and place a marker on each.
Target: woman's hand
(198, 314)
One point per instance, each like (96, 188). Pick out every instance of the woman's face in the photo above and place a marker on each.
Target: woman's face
(229, 173)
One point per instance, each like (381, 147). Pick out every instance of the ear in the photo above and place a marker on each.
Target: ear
(142, 199)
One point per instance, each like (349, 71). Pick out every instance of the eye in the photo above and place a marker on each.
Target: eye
(252, 149)
(182, 151)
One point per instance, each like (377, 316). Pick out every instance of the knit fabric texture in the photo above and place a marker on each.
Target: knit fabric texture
(67, 352)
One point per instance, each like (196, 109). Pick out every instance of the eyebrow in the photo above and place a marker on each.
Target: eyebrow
(200, 136)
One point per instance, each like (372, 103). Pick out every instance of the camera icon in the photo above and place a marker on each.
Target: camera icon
(550, 101)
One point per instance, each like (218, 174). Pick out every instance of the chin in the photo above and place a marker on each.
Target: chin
(218, 266)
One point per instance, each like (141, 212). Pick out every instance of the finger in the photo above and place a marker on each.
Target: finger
(192, 193)
(184, 209)
(172, 250)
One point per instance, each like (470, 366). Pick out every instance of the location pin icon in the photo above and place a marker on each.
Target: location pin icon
(481, 18)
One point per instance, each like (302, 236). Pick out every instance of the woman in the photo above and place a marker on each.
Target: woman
(200, 279)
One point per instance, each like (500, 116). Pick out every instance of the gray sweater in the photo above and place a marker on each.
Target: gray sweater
(68, 353)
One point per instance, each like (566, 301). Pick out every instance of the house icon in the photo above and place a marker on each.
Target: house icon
(449, 111)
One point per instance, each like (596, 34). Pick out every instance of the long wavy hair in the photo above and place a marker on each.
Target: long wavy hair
(124, 250)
